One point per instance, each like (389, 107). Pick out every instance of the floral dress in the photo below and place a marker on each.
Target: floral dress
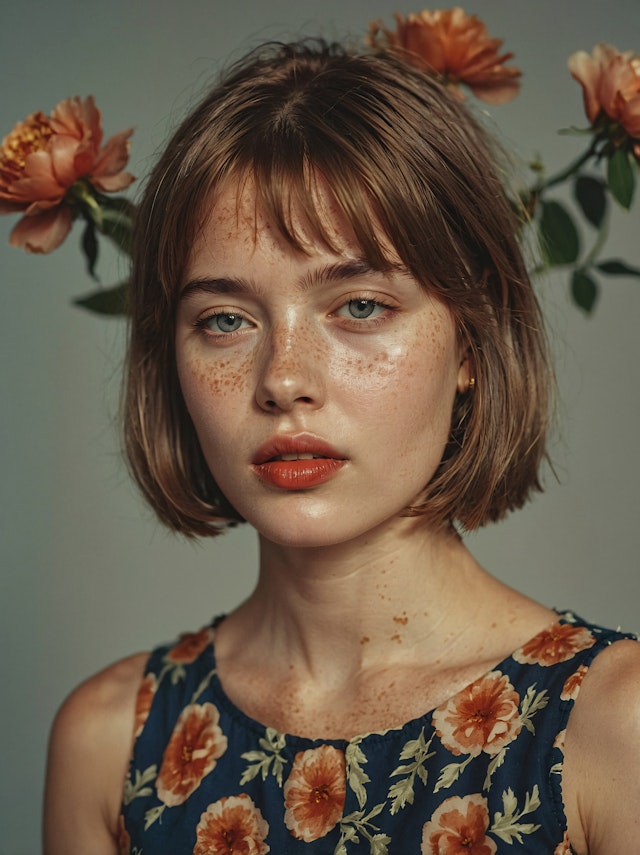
(481, 774)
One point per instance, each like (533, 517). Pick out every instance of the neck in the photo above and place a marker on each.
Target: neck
(332, 612)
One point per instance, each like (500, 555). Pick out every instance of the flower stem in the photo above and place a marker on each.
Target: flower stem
(570, 170)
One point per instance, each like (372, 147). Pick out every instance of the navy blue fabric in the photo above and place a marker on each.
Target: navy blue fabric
(491, 772)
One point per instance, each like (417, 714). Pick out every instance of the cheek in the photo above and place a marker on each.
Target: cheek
(411, 380)
(215, 396)
(201, 380)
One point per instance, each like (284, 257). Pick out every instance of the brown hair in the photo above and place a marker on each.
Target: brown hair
(389, 140)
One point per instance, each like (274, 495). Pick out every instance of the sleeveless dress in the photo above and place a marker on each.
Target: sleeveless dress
(479, 774)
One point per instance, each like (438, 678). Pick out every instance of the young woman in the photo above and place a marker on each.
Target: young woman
(334, 338)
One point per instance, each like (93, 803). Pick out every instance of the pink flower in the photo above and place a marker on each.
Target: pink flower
(558, 643)
(456, 46)
(190, 646)
(314, 792)
(195, 746)
(458, 827)
(610, 83)
(146, 693)
(232, 826)
(44, 156)
(483, 717)
(572, 684)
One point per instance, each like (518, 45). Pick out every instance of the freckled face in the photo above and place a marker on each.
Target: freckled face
(319, 352)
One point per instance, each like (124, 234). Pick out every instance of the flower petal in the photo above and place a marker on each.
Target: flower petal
(42, 232)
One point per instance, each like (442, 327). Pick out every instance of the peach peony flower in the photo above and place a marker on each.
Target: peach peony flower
(556, 644)
(232, 826)
(456, 46)
(143, 702)
(314, 792)
(572, 684)
(190, 646)
(44, 156)
(458, 827)
(195, 745)
(482, 717)
(610, 83)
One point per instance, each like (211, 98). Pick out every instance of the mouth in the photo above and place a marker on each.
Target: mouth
(291, 448)
(296, 462)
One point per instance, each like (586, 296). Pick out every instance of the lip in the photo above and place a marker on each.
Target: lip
(297, 474)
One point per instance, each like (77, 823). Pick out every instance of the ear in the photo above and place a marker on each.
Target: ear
(466, 373)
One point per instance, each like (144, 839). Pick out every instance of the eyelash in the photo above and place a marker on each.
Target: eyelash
(202, 324)
(369, 321)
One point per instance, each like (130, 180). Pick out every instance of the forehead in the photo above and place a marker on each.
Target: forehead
(240, 219)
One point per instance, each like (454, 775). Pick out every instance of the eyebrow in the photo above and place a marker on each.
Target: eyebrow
(337, 272)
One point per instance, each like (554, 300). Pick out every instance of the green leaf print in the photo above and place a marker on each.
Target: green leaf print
(357, 823)
(497, 761)
(177, 673)
(152, 815)
(356, 776)
(531, 704)
(202, 686)
(267, 760)
(450, 773)
(402, 792)
(138, 788)
(506, 825)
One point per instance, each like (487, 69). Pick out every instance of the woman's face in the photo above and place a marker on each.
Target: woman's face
(321, 390)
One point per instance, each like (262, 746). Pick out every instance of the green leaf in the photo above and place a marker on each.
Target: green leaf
(558, 234)
(90, 247)
(615, 267)
(584, 290)
(106, 301)
(621, 178)
(591, 196)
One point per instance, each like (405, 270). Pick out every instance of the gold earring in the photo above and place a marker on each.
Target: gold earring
(472, 383)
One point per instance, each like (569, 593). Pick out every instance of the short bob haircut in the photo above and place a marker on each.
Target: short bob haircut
(398, 150)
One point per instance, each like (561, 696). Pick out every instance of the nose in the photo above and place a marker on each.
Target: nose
(291, 374)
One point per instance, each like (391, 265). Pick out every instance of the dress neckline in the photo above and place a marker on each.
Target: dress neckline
(369, 737)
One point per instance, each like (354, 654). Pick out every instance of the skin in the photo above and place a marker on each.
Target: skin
(355, 603)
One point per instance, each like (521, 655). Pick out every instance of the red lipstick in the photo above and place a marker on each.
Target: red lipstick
(296, 462)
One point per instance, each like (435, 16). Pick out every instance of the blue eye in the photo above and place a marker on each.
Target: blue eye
(226, 322)
(362, 309)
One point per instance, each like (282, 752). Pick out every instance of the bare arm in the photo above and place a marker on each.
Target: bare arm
(89, 751)
(601, 784)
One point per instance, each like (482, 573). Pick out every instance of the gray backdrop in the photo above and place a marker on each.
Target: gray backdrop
(87, 575)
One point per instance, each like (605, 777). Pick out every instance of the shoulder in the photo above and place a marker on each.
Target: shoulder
(602, 752)
(89, 749)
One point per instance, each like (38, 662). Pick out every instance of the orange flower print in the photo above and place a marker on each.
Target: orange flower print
(563, 848)
(44, 156)
(143, 703)
(458, 827)
(572, 684)
(232, 825)
(555, 644)
(558, 742)
(123, 840)
(610, 83)
(195, 745)
(314, 792)
(190, 646)
(456, 46)
(482, 717)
